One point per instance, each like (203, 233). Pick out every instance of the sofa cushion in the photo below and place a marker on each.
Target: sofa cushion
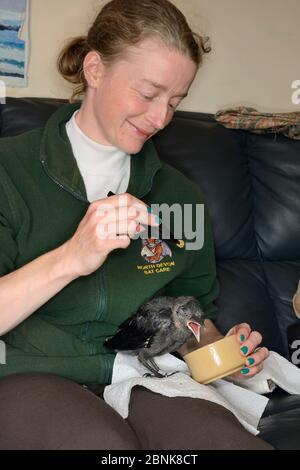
(274, 164)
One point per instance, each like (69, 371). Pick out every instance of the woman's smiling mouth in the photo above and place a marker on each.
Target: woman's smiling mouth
(140, 132)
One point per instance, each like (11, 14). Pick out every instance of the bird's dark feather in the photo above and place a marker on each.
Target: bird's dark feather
(158, 327)
(137, 332)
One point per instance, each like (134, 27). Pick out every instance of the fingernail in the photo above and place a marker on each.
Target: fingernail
(250, 361)
(156, 218)
(244, 349)
(242, 338)
(245, 371)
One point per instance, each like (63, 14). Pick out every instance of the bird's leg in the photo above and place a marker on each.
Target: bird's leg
(153, 363)
(152, 366)
(151, 360)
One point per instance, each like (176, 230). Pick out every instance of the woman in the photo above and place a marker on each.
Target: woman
(77, 271)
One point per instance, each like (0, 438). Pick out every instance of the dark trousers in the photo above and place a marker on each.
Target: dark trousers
(41, 411)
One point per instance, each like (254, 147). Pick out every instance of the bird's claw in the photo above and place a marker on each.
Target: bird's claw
(157, 375)
(172, 373)
(160, 376)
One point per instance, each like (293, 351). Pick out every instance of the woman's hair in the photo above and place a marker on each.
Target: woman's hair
(124, 23)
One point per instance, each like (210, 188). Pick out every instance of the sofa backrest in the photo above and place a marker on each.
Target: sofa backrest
(251, 185)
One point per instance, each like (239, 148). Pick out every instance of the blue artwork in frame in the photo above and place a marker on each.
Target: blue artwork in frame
(13, 48)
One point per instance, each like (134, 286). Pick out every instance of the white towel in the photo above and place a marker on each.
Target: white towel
(243, 398)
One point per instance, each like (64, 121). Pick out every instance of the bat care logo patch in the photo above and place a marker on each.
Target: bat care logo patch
(154, 251)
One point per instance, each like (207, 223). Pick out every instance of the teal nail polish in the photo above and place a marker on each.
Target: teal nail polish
(244, 349)
(156, 218)
(245, 371)
(251, 361)
(242, 338)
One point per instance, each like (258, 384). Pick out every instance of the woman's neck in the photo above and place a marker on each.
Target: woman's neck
(86, 121)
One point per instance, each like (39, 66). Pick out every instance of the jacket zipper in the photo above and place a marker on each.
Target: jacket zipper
(74, 193)
(102, 293)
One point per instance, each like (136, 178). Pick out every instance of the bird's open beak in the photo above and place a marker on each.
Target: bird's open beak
(195, 328)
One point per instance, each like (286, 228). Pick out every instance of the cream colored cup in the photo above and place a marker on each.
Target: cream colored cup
(296, 301)
(215, 360)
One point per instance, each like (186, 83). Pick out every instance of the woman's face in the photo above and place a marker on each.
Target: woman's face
(137, 96)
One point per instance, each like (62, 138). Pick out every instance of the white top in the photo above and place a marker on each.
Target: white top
(102, 167)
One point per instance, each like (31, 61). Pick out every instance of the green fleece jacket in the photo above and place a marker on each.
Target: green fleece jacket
(42, 201)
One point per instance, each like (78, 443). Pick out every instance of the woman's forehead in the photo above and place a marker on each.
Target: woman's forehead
(151, 61)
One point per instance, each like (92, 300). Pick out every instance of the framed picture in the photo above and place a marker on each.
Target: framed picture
(14, 47)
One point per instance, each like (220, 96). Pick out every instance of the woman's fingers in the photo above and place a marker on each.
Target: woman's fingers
(108, 224)
(257, 357)
(251, 343)
(116, 214)
(249, 347)
(251, 371)
(122, 215)
(242, 331)
(121, 227)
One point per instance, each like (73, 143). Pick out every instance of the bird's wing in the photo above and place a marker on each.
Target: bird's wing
(138, 331)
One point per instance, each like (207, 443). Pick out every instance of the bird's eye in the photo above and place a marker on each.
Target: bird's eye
(165, 311)
(181, 310)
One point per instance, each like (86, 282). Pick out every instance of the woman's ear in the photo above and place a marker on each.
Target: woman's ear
(93, 68)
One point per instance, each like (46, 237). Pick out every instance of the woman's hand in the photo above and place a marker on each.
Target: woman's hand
(249, 342)
(107, 225)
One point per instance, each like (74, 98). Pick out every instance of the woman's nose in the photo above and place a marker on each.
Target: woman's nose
(158, 115)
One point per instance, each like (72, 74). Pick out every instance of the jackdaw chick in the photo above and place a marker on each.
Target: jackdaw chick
(160, 326)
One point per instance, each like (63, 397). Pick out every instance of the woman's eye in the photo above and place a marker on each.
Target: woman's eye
(147, 97)
(172, 107)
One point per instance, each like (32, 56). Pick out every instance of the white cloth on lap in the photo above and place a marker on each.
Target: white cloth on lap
(243, 398)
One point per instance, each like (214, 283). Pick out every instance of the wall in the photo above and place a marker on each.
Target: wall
(254, 61)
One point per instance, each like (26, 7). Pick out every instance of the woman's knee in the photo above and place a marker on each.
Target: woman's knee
(42, 411)
(228, 433)
(186, 423)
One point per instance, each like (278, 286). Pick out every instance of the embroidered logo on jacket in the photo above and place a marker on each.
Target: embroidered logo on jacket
(154, 250)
